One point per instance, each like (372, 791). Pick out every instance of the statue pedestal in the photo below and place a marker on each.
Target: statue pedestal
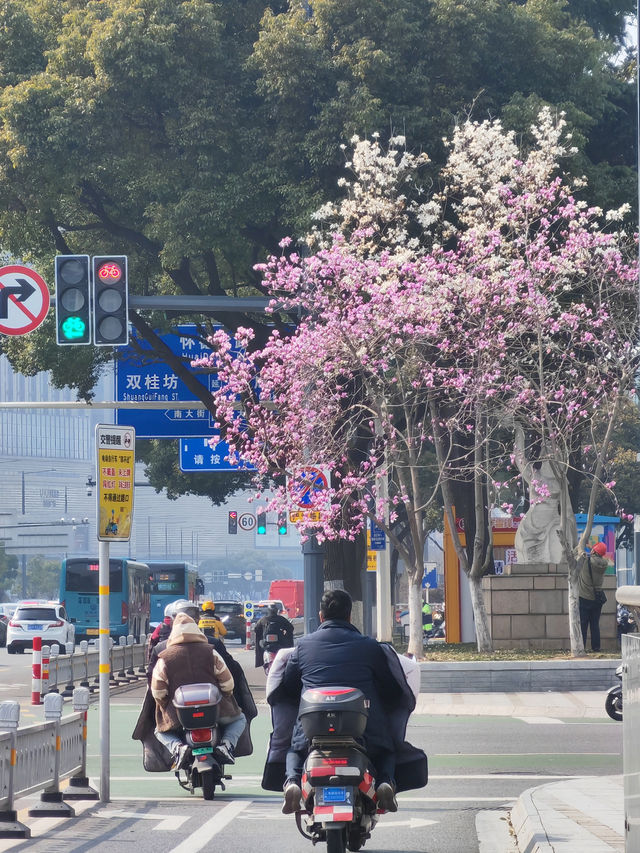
(527, 607)
(535, 569)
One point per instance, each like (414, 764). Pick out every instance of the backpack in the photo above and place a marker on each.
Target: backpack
(273, 635)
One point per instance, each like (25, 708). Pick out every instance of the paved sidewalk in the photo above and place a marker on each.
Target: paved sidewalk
(577, 816)
(581, 703)
(583, 815)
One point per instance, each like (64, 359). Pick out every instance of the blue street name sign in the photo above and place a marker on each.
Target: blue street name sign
(138, 378)
(378, 538)
(197, 455)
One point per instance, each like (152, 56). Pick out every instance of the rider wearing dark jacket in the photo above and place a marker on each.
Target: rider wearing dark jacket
(338, 654)
(283, 628)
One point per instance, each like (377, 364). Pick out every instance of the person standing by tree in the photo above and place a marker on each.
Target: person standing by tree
(591, 594)
(427, 619)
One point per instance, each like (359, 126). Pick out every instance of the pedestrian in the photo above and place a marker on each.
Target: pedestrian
(591, 594)
(427, 620)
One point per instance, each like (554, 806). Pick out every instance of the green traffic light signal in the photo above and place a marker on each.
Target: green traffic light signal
(282, 523)
(73, 299)
(262, 523)
(73, 328)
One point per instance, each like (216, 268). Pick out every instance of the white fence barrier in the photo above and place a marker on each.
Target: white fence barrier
(128, 661)
(36, 758)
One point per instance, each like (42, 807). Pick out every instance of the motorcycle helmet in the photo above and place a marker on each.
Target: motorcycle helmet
(182, 605)
(208, 605)
(170, 610)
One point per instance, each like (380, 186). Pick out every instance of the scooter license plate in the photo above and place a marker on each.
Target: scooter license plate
(333, 795)
(202, 750)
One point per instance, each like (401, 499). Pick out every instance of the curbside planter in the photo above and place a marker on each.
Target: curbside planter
(516, 676)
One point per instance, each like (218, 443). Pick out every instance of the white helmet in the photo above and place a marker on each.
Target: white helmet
(170, 610)
(182, 605)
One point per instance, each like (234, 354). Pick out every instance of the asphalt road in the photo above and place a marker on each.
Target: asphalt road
(476, 764)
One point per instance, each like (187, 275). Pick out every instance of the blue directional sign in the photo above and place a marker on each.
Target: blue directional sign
(378, 538)
(138, 378)
(430, 579)
(197, 455)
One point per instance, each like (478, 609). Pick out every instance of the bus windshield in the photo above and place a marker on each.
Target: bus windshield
(168, 582)
(82, 576)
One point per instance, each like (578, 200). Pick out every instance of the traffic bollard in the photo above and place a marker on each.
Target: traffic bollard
(36, 672)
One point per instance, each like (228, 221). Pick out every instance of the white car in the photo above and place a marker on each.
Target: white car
(46, 619)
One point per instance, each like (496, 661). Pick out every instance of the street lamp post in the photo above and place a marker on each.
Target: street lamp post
(23, 561)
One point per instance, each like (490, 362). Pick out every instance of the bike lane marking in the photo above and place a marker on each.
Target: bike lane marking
(203, 835)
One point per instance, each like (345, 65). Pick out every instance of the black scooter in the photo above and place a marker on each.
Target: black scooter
(613, 699)
(197, 706)
(338, 787)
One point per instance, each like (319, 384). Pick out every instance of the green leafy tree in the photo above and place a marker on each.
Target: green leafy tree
(43, 579)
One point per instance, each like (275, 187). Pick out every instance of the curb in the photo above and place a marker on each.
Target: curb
(517, 676)
(527, 826)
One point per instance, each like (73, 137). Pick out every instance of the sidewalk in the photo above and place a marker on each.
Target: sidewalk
(584, 815)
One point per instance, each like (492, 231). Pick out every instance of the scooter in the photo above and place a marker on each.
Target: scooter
(197, 707)
(613, 699)
(338, 786)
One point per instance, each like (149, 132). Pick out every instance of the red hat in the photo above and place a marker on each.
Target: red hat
(599, 548)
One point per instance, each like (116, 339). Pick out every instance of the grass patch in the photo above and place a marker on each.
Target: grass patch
(469, 652)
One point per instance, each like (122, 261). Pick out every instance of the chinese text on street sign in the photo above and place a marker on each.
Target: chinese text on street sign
(115, 447)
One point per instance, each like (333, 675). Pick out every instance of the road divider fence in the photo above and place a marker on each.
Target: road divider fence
(79, 667)
(37, 757)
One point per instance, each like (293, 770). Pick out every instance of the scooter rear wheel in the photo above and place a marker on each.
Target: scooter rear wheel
(336, 840)
(613, 704)
(208, 785)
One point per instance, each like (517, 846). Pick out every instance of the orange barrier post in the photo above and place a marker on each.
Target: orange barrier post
(36, 672)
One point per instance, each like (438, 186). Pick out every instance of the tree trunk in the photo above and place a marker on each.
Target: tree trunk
(483, 635)
(575, 631)
(343, 564)
(416, 644)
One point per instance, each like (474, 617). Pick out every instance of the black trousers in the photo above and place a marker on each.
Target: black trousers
(590, 620)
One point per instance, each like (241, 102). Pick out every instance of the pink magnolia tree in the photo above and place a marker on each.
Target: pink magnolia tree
(433, 325)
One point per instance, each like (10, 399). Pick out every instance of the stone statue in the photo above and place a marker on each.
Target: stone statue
(537, 536)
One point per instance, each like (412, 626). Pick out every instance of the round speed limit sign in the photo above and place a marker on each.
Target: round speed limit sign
(247, 521)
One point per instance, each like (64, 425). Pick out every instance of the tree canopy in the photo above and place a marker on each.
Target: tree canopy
(193, 136)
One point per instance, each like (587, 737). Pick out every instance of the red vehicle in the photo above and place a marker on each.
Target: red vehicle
(291, 593)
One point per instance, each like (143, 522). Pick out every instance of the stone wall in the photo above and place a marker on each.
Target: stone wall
(528, 608)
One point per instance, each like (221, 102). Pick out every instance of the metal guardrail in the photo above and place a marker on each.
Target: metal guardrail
(629, 596)
(37, 757)
(62, 672)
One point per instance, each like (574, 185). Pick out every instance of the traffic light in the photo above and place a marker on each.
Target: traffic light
(233, 522)
(110, 300)
(73, 300)
(282, 523)
(262, 522)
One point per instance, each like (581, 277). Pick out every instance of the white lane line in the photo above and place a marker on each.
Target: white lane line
(203, 835)
(509, 798)
(541, 721)
(165, 822)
